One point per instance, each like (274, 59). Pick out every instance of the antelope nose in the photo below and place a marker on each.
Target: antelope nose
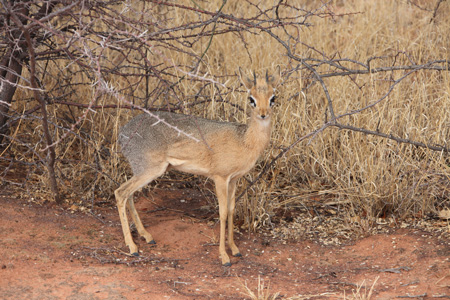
(263, 116)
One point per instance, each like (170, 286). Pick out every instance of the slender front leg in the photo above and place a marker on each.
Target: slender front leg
(231, 206)
(222, 196)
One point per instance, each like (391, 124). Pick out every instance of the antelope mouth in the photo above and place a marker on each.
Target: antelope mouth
(264, 117)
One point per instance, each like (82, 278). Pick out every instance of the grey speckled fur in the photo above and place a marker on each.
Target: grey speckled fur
(140, 135)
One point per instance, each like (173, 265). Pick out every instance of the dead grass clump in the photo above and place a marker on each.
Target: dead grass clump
(362, 292)
(262, 291)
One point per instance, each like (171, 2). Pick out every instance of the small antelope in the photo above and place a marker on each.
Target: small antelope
(226, 152)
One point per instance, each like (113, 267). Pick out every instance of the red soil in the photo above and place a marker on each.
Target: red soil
(50, 252)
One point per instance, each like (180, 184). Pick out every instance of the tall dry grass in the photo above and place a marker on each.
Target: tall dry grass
(368, 175)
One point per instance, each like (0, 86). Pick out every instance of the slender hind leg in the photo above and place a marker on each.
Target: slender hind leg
(123, 195)
(137, 221)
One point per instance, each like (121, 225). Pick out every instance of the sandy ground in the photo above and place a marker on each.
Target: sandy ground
(49, 252)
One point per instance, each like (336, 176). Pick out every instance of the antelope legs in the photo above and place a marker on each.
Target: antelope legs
(225, 190)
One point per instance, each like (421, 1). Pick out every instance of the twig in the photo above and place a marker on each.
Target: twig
(413, 296)
(395, 270)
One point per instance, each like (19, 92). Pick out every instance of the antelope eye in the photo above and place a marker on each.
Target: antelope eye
(252, 101)
(272, 101)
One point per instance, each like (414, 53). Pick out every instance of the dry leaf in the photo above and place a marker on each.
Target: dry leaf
(444, 214)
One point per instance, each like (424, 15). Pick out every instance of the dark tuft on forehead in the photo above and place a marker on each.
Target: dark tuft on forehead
(261, 88)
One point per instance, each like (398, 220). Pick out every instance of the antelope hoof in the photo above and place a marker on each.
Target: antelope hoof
(152, 242)
(228, 264)
(135, 254)
(238, 254)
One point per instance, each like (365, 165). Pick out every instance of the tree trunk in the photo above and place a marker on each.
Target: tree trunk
(25, 43)
(11, 70)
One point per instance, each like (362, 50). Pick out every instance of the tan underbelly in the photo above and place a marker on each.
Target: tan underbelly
(188, 166)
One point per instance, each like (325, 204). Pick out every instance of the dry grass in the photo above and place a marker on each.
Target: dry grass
(369, 176)
(362, 292)
(262, 291)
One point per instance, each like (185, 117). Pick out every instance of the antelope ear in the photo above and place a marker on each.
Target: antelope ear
(274, 80)
(248, 83)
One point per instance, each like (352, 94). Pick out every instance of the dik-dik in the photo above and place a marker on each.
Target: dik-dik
(224, 152)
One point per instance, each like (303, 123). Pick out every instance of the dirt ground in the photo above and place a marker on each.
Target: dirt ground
(50, 252)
